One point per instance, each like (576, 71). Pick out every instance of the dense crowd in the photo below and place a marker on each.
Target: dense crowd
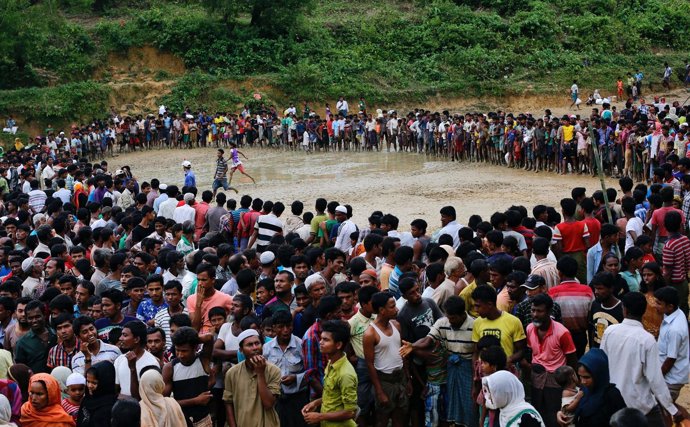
(125, 302)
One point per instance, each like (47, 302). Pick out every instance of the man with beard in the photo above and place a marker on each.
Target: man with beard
(92, 349)
(32, 349)
(316, 288)
(283, 299)
(552, 347)
(252, 386)
(17, 330)
(128, 366)
(63, 352)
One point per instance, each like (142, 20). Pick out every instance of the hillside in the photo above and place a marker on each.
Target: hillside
(64, 60)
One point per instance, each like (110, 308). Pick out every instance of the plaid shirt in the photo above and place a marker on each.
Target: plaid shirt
(58, 356)
(686, 209)
(314, 361)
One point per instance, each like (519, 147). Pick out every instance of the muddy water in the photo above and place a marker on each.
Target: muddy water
(408, 185)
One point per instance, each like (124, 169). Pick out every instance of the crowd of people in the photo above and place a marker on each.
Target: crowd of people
(127, 302)
(631, 142)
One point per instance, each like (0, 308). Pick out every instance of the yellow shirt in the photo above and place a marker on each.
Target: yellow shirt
(466, 294)
(241, 389)
(358, 324)
(507, 328)
(339, 391)
(568, 131)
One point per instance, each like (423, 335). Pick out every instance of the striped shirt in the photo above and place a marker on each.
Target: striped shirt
(106, 352)
(575, 300)
(458, 341)
(58, 356)
(268, 226)
(221, 168)
(162, 320)
(676, 258)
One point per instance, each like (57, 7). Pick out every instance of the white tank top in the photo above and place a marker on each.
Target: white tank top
(387, 352)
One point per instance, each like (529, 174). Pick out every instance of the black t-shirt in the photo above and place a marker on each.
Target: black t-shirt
(600, 318)
(139, 232)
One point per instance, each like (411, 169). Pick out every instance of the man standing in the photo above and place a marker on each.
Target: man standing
(572, 238)
(552, 347)
(339, 401)
(359, 323)
(673, 341)
(637, 372)
(285, 351)
(449, 225)
(205, 298)
(128, 366)
(544, 266)
(676, 258)
(63, 352)
(32, 349)
(574, 94)
(387, 370)
(252, 386)
(189, 177)
(266, 227)
(345, 229)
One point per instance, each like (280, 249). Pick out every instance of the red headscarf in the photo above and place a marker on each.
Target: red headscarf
(52, 414)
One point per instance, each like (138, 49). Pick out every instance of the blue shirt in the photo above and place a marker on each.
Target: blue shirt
(147, 309)
(189, 179)
(673, 343)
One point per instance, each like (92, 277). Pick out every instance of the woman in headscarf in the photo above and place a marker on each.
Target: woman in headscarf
(20, 374)
(601, 398)
(43, 408)
(504, 391)
(10, 390)
(5, 413)
(61, 373)
(156, 409)
(101, 395)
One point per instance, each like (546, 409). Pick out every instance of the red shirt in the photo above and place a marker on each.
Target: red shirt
(571, 235)
(658, 219)
(551, 352)
(594, 227)
(676, 258)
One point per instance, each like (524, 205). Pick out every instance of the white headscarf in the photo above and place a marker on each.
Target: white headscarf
(156, 409)
(5, 412)
(505, 392)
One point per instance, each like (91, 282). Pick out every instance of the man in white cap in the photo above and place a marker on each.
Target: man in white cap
(32, 267)
(185, 212)
(252, 386)
(268, 265)
(345, 229)
(189, 177)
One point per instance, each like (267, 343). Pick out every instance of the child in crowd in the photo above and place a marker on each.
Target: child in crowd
(566, 378)
(76, 386)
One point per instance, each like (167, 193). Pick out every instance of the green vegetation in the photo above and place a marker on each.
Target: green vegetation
(308, 49)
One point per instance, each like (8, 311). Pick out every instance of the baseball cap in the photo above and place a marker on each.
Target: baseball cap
(186, 164)
(533, 282)
(267, 257)
(119, 172)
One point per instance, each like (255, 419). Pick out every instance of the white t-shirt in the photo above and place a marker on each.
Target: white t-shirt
(122, 370)
(634, 224)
